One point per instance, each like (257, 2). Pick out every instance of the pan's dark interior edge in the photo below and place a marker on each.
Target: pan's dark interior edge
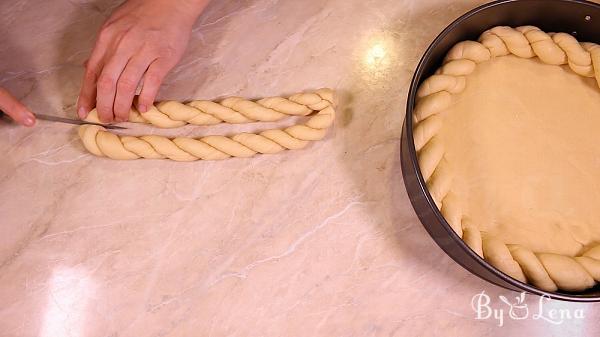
(580, 18)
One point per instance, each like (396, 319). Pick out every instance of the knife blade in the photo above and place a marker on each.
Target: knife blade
(75, 121)
(71, 121)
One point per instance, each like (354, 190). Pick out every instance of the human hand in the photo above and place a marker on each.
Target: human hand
(141, 39)
(15, 109)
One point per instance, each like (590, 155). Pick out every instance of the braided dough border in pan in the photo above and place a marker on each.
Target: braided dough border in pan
(320, 104)
(546, 271)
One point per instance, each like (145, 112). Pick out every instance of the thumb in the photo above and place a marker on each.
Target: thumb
(15, 109)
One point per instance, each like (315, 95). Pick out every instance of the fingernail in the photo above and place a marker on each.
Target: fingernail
(81, 112)
(29, 121)
(142, 108)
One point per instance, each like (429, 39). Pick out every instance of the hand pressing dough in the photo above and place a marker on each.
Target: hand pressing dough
(509, 126)
(171, 114)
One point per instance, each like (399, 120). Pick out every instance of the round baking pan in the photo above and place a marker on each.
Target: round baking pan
(580, 18)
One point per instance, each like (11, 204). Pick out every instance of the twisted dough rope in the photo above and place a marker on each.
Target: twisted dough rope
(546, 271)
(172, 114)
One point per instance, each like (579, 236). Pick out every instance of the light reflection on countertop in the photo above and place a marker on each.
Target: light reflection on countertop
(380, 54)
(67, 309)
(377, 57)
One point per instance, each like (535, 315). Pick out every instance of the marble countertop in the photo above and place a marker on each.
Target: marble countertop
(318, 242)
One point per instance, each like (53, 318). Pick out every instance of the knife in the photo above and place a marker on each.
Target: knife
(70, 121)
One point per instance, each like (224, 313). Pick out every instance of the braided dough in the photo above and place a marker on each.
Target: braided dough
(170, 114)
(506, 134)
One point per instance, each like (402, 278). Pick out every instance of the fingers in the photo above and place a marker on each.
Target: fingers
(93, 67)
(152, 80)
(87, 94)
(15, 109)
(128, 83)
(129, 49)
(111, 55)
(107, 87)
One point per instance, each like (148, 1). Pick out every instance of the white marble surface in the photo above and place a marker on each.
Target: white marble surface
(319, 242)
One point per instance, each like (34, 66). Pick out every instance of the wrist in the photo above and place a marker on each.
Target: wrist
(192, 8)
(182, 12)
